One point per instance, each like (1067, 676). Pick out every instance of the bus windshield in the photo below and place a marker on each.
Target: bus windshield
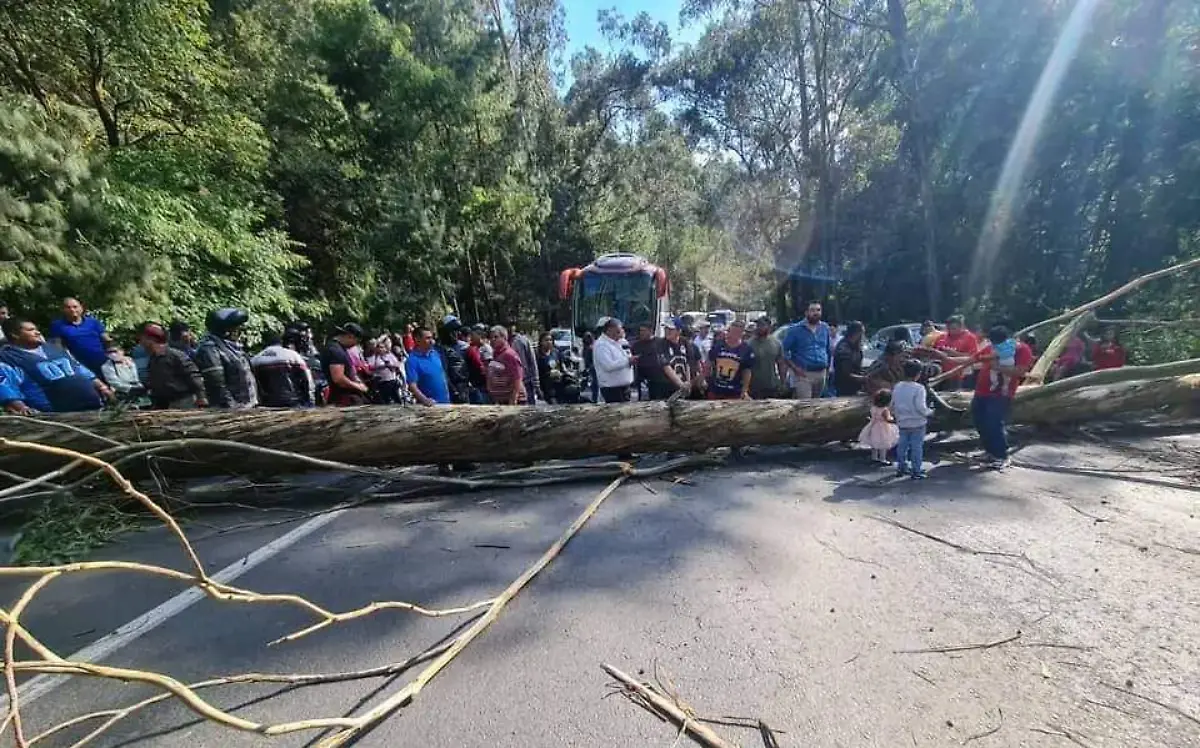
(630, 297)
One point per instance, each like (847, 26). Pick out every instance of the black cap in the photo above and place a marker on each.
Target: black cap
(351, 328)
(763, 320)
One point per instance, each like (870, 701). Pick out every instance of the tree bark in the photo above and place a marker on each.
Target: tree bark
(401, 435)
(1050, 354)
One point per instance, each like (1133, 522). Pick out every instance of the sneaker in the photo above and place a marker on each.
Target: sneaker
(900, 473)
(922, 475)
(997, 464)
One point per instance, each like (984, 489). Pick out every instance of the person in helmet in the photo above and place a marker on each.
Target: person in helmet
(298, 336)
(228, 376)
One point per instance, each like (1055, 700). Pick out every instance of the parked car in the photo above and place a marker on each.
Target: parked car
(722, 317)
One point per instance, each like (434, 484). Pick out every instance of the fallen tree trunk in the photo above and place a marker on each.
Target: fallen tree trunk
(198, 441)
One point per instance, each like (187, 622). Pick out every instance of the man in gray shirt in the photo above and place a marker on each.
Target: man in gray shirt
(524, 349)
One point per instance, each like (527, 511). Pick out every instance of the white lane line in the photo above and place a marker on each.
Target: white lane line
(103, 647)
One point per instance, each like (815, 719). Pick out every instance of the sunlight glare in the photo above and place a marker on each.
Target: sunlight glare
(1012, 177)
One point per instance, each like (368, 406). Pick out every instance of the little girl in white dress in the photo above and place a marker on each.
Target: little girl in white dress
(881, 432)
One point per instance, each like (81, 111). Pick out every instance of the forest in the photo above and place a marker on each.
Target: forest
(390, 160)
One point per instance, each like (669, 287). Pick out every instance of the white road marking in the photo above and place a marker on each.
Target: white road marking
(103, 647)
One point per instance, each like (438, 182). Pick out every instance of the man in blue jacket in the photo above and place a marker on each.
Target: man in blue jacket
(807, 347)
(35, 375)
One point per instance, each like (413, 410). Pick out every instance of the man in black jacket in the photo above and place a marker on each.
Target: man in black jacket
(228, 376)
(847, 361)
(172, 378)
(283, 377)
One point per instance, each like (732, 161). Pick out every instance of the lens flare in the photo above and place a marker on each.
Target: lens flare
(1012, 177)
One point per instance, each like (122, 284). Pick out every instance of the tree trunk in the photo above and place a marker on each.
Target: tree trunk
(400, 435)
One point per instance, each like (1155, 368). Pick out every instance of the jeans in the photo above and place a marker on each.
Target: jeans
(911, 447)
(990, 414)
(811, 385)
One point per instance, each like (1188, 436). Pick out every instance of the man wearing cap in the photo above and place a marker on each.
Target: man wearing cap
(675, 359)
(769, 371)
(345, 385)
(172, 378)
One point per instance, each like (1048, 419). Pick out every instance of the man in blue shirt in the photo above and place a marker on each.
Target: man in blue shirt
(807, 348)
(35, 375)
(425, 372)
(81, 334)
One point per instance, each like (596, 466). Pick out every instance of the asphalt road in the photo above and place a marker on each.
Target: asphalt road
(769, 589)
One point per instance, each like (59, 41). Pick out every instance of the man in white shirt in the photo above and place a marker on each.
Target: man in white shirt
(614, 364)
(704, 339)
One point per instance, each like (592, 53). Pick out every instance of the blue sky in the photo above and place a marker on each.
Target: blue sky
(583, 29)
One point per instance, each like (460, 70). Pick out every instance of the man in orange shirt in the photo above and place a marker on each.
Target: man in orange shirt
(958, 341)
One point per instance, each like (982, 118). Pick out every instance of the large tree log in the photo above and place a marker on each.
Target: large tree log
(400, 435)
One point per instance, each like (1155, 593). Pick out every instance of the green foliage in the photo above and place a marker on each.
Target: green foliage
(65, 529)
(391, 160)
(46, 180)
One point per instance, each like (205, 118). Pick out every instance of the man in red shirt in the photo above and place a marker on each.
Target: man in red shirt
(1108, 353)
(505, 373)
(989, 408)
(958, 341)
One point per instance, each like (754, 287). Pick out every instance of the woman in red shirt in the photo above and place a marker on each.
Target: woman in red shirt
(1108, 353)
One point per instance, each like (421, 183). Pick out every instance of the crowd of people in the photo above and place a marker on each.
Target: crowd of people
(80, 367)
(813, 359)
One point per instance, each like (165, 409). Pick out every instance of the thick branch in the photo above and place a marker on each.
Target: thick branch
(1112, 296)
(1148, 322)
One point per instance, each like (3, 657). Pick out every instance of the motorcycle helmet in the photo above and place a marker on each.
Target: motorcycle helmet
(222, 321)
